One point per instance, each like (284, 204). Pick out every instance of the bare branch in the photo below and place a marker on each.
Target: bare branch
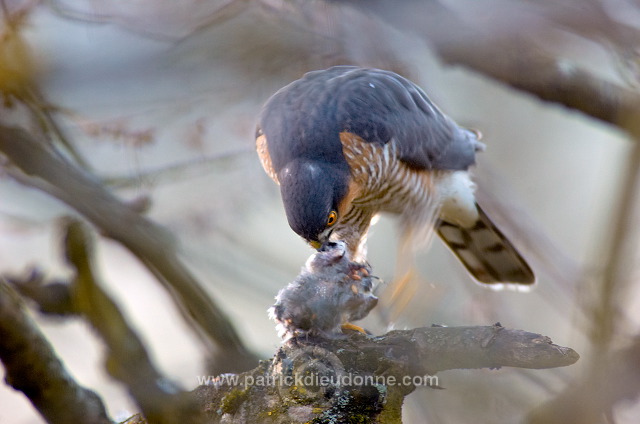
(444, 348)
(506, 56)
(151, 243)
(524, 67)
(182, 170)
(366, 377)
(32, 367)
(127, 359)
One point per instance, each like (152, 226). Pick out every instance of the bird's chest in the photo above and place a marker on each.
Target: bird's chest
(380, 181)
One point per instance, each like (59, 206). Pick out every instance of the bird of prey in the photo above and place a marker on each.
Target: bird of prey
(347, 143)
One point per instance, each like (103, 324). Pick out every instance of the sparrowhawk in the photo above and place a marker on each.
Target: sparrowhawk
(346, 143)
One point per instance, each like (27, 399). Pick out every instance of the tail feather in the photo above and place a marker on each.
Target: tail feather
(486, 253)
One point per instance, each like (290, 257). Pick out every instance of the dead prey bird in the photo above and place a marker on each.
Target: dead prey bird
(329, 292)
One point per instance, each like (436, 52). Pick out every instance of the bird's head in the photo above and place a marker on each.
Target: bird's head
(311, 192)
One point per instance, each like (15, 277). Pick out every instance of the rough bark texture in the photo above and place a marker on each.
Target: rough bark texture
(364, 379)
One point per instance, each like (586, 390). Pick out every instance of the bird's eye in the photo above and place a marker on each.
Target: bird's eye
(332, 218)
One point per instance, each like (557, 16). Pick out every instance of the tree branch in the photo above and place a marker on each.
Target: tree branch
(498, 50)
(33, 368)
(127, 359)
(365, 377)
(47, 170)
(523, 66)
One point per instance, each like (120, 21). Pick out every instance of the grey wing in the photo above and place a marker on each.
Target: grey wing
(381, 106)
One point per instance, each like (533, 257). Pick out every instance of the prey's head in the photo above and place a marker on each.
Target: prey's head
(312, 192)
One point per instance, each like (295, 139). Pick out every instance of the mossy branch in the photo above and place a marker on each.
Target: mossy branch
(365, 378)
(127, 358)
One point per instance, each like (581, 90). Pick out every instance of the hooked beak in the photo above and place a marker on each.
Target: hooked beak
(315, 244)
(323, 239)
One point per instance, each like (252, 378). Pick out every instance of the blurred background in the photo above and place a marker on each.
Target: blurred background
(161, 100)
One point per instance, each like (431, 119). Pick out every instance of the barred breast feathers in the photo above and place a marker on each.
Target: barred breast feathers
(385, 183)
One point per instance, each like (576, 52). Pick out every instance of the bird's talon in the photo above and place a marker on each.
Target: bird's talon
(348, 327)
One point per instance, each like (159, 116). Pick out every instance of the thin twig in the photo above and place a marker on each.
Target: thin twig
(181, 170)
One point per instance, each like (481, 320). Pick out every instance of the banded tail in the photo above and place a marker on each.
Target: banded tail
(486, 253)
